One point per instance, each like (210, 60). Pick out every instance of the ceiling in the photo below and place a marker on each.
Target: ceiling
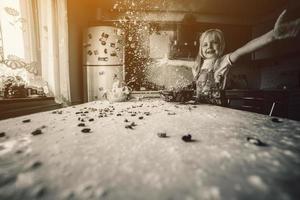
(232, 8)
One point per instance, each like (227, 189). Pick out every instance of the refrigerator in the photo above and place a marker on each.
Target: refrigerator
(103, 60)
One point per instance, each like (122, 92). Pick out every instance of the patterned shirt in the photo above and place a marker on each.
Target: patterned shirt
(211, 79)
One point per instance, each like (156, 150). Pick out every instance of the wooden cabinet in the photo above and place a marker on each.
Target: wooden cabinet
(23, 106)
(281, 103)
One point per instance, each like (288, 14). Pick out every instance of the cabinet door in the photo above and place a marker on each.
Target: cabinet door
(100, 79)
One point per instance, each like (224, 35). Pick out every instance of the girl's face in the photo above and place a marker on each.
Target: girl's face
(211, 46)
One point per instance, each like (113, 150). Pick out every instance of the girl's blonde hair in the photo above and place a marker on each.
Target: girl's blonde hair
(216, 32)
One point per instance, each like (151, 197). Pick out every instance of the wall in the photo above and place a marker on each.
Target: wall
(281, 74)
(79, 14)
(279, 62)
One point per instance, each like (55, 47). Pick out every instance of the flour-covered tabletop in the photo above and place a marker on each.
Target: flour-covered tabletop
(149, 150)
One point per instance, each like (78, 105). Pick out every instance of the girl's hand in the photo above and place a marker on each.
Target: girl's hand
(284, 29)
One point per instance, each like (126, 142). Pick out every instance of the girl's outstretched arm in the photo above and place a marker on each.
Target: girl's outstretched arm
(281, 30)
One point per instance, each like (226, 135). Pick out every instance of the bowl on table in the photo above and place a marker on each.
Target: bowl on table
(182, 95)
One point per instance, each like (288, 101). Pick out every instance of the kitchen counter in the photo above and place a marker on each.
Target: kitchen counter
(13, 107)
(233, 154)
(286, 102)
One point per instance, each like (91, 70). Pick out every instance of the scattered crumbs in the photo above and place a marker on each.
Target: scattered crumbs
(257, 182)
(147, 113)
(34, 165)
(171, 113)
(26, 120)
(86, 130)
(81, 124)
(37, 132)
(187, 138)
(276, 120)
(19, 151)
(128, 126)
(2, 134)
(256, 141)
(162, 135)
(133, 124)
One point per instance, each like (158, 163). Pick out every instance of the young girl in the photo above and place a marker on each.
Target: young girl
(211, 67)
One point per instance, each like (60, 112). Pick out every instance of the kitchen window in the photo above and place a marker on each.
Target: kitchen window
(34, 49)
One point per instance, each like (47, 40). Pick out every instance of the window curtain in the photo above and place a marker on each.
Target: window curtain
(45, 41)
(13, 36)
(54, 52)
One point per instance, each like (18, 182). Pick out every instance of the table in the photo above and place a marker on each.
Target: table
(121, 160)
